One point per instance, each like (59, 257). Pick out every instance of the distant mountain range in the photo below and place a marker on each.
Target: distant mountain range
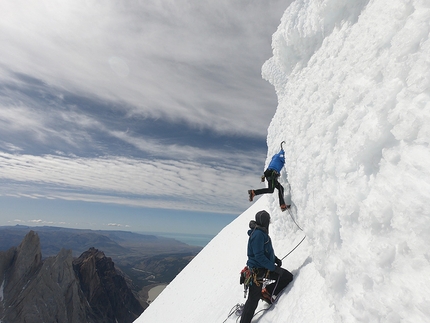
(113, 243)
(147, 260)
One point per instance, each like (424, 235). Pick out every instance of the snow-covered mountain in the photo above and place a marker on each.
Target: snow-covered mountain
(353, 82)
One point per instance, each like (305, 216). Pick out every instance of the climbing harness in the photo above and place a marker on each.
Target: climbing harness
(271, 176)
(250, 276)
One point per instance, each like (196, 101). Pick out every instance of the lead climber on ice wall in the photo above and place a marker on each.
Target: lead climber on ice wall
(262, 264)
(271, 174)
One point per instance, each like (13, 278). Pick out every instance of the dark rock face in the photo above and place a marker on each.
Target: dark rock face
(33, 291)
(105, 289)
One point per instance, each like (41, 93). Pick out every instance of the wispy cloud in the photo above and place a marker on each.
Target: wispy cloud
(35, 221)
(193, 61)
(156, 103)
(118, 225)
(158, 183)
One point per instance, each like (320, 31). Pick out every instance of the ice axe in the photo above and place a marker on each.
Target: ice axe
(283, 142)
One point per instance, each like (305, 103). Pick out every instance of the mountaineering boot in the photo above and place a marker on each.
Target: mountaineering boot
(265, 296)
(251, 194)
(284, 207)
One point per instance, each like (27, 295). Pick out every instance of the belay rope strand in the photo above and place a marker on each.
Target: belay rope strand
(291, 214)
(236, 309)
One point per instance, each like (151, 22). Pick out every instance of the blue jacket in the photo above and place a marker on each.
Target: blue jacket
(277, 161)
(260, 250)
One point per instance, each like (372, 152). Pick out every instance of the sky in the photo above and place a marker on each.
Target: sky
(147, 116)
(356, 77)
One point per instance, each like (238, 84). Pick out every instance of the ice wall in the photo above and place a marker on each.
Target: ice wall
(353, 83)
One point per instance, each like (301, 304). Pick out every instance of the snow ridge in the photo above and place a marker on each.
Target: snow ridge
(353, 86)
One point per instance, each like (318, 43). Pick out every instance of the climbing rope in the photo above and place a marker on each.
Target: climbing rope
(236, 309)
(291, 214)
(294, 248)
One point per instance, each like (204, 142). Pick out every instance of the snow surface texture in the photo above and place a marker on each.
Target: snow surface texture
(353, 83)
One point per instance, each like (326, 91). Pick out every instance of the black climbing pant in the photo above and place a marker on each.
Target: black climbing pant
(254, 292)
(272, 178)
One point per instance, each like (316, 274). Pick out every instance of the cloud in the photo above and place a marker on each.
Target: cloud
(196, 61)
(158, 183)
(35, 221)
(9, 146)
(14, 119)
(44, 119)
(118, 225)
(154, 103)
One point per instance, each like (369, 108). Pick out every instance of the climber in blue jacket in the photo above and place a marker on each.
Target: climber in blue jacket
(271, 174)
(262, 263)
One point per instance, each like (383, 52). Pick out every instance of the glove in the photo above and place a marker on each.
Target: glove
(278, 262)
(278, 270)
(263, 178)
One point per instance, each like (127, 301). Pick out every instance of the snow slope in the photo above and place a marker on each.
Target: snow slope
(353, 85)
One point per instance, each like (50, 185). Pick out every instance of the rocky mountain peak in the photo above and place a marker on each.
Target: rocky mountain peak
(25, 260)
(57, 290)
(28, 256)
(105, 288)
